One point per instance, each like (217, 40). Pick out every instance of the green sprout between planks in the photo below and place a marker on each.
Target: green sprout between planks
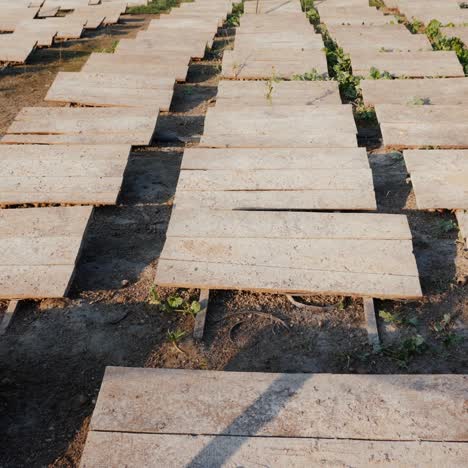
(173, 303)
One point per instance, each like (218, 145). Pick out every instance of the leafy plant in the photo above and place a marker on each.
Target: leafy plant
(416, 27)
(110, 49)
(420, 101)
(376, 74)
(173, 303)
(313, 75)
(233, 19)
(443, 324)
(447, 225)
(407, 350)
(153, 8)
(174, 337)
(441, 42)
(388, 317)
(270, 85)
(311, 12)
(365, 112)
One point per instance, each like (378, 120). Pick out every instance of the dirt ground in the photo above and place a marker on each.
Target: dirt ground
(54, 354)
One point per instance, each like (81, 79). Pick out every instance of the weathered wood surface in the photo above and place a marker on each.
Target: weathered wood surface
(353, 266)
(61, 174)
(241, 94)
(424, 125)
(149, 450)
(445, 91)
(12, 15)
(278, 40)
(408, 64)
(265, 64)
(74, 125)
(368, 407)
(446, 12)
(458, 31)
(198, 158)
(38, 250)
(272, 7)
(129, 64)
(439, 178)
(67, 27)
(42, 31)
(462, 218)
(352, 15)
(278, 126)
(154, 47)
(390, 37)
(112, 89)
(16, 47)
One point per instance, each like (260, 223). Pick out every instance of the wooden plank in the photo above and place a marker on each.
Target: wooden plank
(112, 89)
(462, 219)
(73, 125)
(137, 65)
(67, 27)
(276, 7)
(286, 200)
(237, 94)
(16, 47)
(275, 63)
(42, 31)
(37, 260)
(8, 316)
(461, 32)
(288, 225)
(390, 37)
(445, 91)
(413, 126)
(408, 64)
(149, 450)
(14, 14)
(436, 160)
(371, 322)
(199, 158)
(153, 47)
(200, 318)
(249, 263)
(61, 174)
(376, 407)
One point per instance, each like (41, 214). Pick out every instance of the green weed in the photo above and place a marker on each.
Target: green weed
(420, 101)
(395, 319)
(313, 75)
(406, 351)
(154, 7)
(446, 226)
(233, 19)
(110, 49)
(174, 337)
(173, 303)
(365, 112)
(376, 74)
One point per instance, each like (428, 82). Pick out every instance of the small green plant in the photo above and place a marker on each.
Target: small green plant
(173, 303)
(407, 350)
(233, 19)
(313, 75)
(174, 337)
(270, 85)
(447, 225)
(153, 8)
(110, 49)
(420, 101)
(376, 74)
(416, 27)
(377, 3)
(388, 317)
(442, 42)
(311, 12)
(365, 112)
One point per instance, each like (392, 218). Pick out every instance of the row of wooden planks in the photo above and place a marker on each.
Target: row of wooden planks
(36, 24)
(78, 155)
(287, 145)
(277, 41)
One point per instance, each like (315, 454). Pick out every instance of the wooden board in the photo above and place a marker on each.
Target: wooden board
(398, 408)
(112, 89)
(273, 7)
(446, 91)
(274, 158)
(67, 27)
(12, 15)
(149, 450)
(42, 31)
(313, 264)
(138, 65)
(462, 218)
(415, 126)
(154, 47)
(390, 37)
(16, 47)
(74, 125)
(458, 31)
(408, 64)
(39, 249)
(239, 94)
(273, 63)
(61, 174)
(278, 126)
(439, 178)
(354, 15)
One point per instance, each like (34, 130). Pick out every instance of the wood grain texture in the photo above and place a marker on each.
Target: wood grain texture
(39, 249)
(375, 407)
(437, 91)
(74, 125)
(462, 219)
(354, 266)
(61, 174)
